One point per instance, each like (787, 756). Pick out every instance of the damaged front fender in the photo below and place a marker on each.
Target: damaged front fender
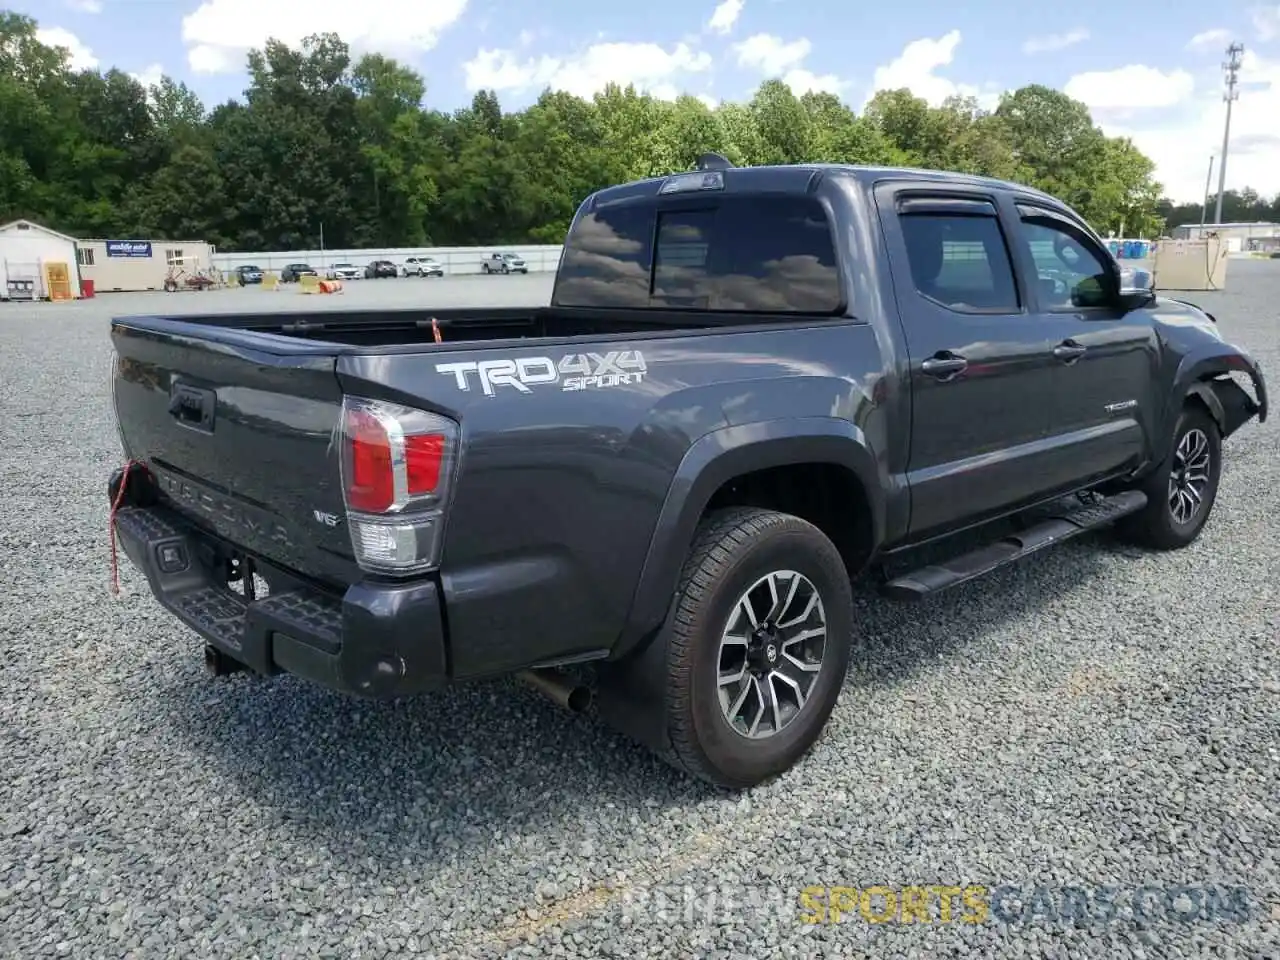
(1231, 405)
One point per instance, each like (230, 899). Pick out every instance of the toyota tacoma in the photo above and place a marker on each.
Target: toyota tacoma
(750, 386)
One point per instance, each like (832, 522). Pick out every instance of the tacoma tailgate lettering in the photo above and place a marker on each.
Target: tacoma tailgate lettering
(221, 508)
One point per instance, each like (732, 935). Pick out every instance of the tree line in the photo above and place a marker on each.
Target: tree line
(322, 142)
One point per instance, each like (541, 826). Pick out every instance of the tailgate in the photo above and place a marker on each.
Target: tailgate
(239, 430)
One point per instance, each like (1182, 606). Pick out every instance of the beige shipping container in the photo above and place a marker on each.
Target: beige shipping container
(1191, 264)
(131, 265)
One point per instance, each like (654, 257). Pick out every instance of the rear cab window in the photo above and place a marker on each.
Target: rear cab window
(709, 251)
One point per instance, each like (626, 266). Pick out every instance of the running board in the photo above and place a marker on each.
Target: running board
(1058, 527)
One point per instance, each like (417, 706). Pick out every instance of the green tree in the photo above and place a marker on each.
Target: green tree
(785, 127)
(838, 135)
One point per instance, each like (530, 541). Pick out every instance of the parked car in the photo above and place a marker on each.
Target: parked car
(379, 269)
(293, 271)
(503, 263)
(344, 271)
(248, 274)
(811, 372)
(423, 267)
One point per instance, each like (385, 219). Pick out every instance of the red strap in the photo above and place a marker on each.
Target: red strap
(111, 523)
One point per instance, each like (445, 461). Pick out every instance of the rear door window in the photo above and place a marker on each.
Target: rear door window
(961, 262)
(760, 254)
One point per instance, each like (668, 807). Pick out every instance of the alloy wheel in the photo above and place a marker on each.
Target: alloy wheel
(1189, 478)
(771, 654)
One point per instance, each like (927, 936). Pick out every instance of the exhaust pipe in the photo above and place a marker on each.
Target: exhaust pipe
(559, 687)
(218, 664)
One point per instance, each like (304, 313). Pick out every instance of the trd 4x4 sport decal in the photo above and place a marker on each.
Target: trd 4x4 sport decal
(575, 371)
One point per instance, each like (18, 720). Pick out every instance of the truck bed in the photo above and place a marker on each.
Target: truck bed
(407, 327)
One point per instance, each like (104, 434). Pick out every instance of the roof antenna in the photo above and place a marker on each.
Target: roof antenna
(713, 161)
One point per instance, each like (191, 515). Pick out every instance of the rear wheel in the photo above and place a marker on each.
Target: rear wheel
(759, 647)
(1182, 490)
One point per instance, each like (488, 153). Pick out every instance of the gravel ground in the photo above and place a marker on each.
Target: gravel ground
(1091, 717)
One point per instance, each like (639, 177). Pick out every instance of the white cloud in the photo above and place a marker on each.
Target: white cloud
(1132, 87)
(708, 101)
(82, 57)
(725, 16)
(802, 81)
(649, 66)
(774, 57)
(149, 76)
(1207, 39)
(914, 69)
(1055, 41)
(204, 58)
(85, 6)
(500, 70)
(771, 55)
(1266, 21)
(1180, 139)
(220, 32)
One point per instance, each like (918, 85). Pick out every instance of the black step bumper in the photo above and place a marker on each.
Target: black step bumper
(375, 640)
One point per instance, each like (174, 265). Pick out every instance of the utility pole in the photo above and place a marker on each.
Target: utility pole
(1231, 68)
(1204, 207)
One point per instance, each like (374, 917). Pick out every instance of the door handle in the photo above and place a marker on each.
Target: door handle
(1068, 351)
(944, 366)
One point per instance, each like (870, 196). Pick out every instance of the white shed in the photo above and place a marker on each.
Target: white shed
(37, 263)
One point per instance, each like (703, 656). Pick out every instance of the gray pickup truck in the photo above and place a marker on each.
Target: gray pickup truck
(750, 386)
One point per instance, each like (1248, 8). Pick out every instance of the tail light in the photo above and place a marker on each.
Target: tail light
(397, 464)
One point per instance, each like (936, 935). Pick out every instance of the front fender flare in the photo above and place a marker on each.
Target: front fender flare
(718, 457)
(1231, 407)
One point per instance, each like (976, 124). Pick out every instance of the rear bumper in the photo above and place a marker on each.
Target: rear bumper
(376, 640)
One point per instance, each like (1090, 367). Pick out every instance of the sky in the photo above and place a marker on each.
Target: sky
(1151, 71)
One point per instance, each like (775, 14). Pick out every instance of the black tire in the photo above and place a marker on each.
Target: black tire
(1157, 526)
(732, 550)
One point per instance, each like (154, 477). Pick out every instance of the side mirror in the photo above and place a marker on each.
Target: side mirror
(1137, 288)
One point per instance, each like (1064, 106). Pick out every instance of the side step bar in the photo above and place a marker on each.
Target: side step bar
(1056, 528)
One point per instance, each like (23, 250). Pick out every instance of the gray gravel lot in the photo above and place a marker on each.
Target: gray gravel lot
(1093, 716)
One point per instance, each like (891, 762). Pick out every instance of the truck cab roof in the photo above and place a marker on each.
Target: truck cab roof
(801, 178)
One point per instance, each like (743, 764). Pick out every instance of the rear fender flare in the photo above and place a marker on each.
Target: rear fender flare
(717, 458)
